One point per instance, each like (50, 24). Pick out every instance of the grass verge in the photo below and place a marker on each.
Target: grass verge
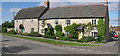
(51, 41)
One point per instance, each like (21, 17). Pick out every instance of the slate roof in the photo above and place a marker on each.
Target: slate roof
(33, 12)
(76, 11)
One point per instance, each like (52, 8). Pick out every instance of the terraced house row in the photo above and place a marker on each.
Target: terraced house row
(37, 19)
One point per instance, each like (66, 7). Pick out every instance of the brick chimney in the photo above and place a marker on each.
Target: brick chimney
(106, 2)
(46, 3)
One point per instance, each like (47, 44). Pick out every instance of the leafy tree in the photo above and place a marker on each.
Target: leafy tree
(73, 33)
(8, 24)
(50, 31)
(101, 29)
(58, 29)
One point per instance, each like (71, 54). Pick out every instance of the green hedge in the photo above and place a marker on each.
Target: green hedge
(72, 39)
(12, 32)
(34, 34)
(49, 36)
(23, 33)
(64, 38)
(87, 38)
(80, 40)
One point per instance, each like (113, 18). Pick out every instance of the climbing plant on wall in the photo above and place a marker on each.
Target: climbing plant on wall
(44, 23)
(101, 29)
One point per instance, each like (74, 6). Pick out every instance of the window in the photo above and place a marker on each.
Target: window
(80, 21)
(94, 34)
(31, 19)
(93, 21)
(16, 29)
(56, 21)
(42, 22)
(67, 22)
(16, 20)
(32, 29)
(23, 20)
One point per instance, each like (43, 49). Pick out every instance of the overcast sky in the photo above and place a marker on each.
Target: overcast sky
(8, 7)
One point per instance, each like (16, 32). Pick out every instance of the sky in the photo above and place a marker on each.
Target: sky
(8, 8)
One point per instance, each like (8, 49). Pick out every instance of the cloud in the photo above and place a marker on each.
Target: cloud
(113, 6)
(114, 19)
(1, 9)
(14, 9)
(41, 4)
(54, 3)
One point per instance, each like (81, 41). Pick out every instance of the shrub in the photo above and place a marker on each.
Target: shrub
(34, 34)
(87, 38)
(58, 34)
(49, 36)
(73, 33)
(72, 39)
(79, 40)
(101, 29)
(4, 29)
(63, 38)
(23, 33)
(58, 28)
(12, 32)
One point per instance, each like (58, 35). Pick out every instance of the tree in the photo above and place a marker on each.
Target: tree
(58, 29)
(50, 31)
(8, 24)
(73, 33)
(101, 29)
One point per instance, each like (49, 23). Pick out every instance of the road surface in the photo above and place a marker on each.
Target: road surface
(12, 45)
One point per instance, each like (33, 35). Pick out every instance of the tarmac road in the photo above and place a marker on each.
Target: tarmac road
(12, 45)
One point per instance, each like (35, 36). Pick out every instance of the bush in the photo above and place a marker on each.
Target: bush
(34, 34)
(58, 28)
(79, 40)
(23, 33)
(59, 34)
(12, 32)
(87, 38)
(64, 38)
(49, 36)
(4, 29)
(72, 40)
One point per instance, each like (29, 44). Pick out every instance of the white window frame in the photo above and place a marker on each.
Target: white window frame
(67, 22)
(93, 33)
(32, 29)
(56, 21)
(93, 22)
(31, 19)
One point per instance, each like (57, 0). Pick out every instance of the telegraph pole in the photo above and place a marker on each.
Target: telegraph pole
(13, 15)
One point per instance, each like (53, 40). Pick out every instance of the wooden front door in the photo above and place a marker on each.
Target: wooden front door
(80, 34)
